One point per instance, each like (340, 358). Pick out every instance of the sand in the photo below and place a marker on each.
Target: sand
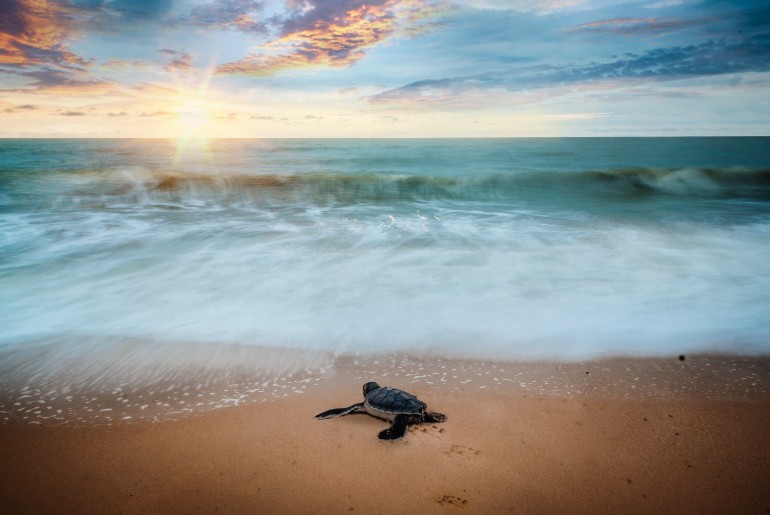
(631, 436)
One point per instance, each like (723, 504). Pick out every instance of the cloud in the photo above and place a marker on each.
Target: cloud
(714, 18)
(544, 6)
(73, 113)
(180, 61)
(260, 117)
(51, 80)
(23, 107)
(349, 90)
(334, 33)
(33, 32)
(33, 46)
(155, 113)
(121, 64)
(172, 61)
(308, 15)
(631, 26)
(705, 59)
(153, 90)
(662, 4)
(242, 15)
(121, 113)
(124, 17)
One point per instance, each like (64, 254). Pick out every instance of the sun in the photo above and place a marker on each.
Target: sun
(193, 129)
(194, 119)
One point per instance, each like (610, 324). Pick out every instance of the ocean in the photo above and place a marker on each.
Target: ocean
(151, 252)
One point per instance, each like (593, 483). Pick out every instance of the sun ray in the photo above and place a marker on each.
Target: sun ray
(194, 117)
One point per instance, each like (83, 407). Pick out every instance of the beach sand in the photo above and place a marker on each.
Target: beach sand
(610, 436)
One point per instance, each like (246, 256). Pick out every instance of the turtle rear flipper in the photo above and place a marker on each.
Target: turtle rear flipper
(338, 412)
(397, 430)
(434, 417)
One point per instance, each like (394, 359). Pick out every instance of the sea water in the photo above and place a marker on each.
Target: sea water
(150, 252)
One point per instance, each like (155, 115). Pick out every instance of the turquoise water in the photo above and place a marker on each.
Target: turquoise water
(509, 248)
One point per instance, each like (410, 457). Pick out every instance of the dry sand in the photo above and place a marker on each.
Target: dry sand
(638, 436)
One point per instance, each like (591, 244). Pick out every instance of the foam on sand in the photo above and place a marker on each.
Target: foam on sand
(630, 436)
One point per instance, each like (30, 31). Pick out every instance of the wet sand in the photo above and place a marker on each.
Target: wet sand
(635, 436)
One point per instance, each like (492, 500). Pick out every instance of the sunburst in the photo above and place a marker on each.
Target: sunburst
(194, 118)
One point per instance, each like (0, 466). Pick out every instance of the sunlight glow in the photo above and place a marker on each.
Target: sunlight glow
(194, 128)
(194, 118)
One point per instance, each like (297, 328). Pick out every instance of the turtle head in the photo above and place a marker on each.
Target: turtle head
(368, 387)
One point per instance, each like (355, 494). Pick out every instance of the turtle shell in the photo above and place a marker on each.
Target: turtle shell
(392, 400)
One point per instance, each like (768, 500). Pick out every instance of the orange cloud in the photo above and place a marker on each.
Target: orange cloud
(339, 40)
(33, 31)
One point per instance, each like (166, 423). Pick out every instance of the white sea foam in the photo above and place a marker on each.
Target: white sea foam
(488, 249)
(508, 285)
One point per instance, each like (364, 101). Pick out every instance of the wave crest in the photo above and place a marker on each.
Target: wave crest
(628, 184)
(712, 182)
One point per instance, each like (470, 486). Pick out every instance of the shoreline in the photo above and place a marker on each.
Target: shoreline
(170, 390)
(694, 443)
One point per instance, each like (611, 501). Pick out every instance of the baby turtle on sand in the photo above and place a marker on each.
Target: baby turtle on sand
(400, 407)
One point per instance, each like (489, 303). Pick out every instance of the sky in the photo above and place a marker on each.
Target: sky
(383, 68)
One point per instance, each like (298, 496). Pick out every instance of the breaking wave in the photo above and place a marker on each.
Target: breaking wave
(709, 182)
(138, 185)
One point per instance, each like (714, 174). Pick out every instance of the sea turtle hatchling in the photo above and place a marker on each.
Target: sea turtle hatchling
(400, 407)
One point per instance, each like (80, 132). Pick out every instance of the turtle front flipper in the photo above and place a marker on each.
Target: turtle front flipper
(338, 412)
(396, 430)
(434, 417)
